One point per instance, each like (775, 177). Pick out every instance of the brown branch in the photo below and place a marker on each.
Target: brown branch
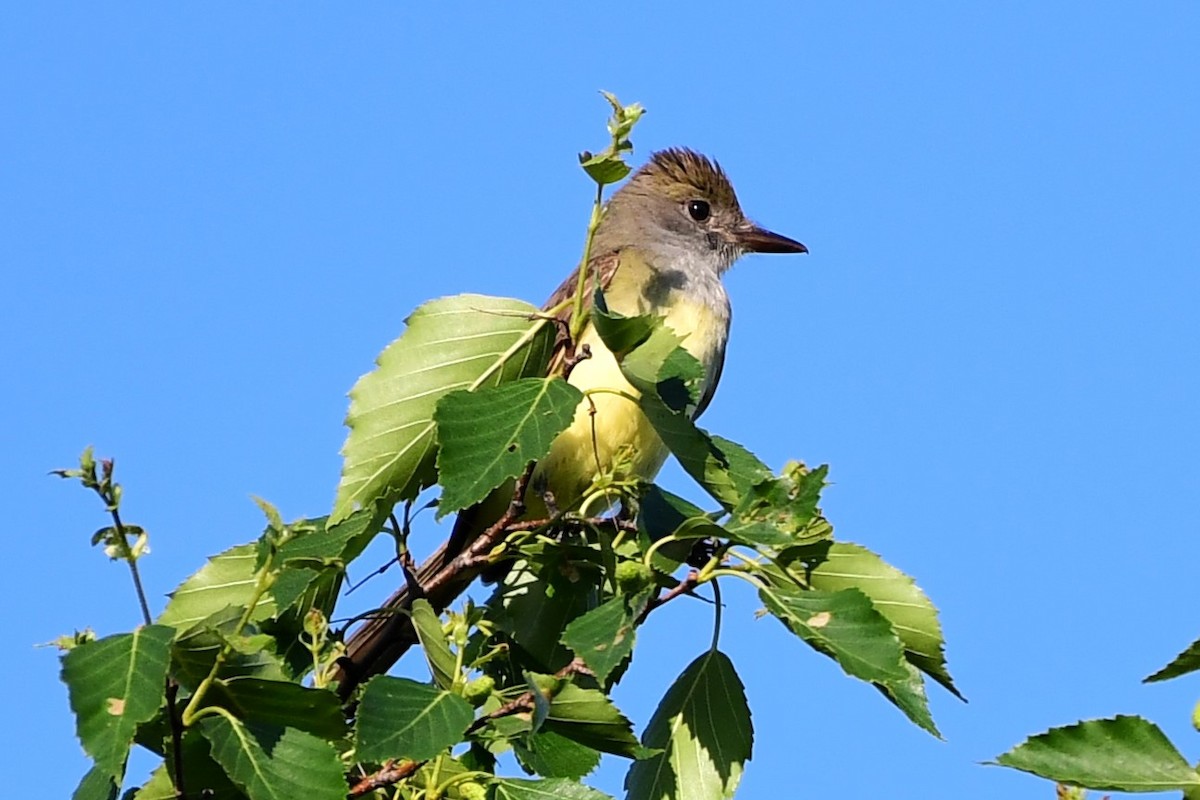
(685, 586)
(390, 773)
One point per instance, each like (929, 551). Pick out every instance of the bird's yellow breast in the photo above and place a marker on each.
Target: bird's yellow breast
(608, 423)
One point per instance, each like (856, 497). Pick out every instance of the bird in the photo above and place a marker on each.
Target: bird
(663, 244)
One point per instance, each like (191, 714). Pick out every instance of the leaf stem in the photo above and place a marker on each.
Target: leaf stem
(263, 581)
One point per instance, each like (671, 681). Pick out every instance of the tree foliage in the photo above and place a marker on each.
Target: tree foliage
(234, 685)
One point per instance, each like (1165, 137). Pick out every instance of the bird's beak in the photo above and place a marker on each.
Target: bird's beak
(754, 239)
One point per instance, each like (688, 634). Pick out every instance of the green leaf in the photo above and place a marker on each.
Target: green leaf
(620, 333)
(1182, 664)
(315, 540)
(843, 625)
(195, 650)
(400, 718)
(158, 787)
(604, 636)
(269, 764)
(588, 717)
(488, 436)
(908, 695)
(895, 595)
(116, 684)
(226, 580)
(428, 625)
(461, 342)
(744, 468)
(552, 755)
(703, 728)
(548, 789)
(605, 169)
(787, 502)
(282, 704)
(535, 608)
(1123, 754)
(660, 514)
(97, 784)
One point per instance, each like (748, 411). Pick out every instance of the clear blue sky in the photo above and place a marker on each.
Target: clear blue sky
(212, 218)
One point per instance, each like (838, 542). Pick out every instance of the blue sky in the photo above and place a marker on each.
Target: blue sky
(213, 218)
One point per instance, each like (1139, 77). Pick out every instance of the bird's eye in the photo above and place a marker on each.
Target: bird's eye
(698, 210)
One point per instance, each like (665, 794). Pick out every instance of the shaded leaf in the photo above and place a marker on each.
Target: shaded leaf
(270, 764)
(115, 684)
(97, 784)
(1182, 664)
(536, 608)
(400, 718)
(703, 728)
(895, 595)
(488, 436)
(196, 649)
(460, 342)
(282, 704)
(428, 626)
(660, 514)
(552, 755)
(1124, 754)
(604, 636)
(605, 169)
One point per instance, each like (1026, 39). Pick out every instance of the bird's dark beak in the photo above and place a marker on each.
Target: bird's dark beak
(754, 239)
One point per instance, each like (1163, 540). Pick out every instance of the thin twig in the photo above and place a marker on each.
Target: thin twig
(685, 586)
(390, 773)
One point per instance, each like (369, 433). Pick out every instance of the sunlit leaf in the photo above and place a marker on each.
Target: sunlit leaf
(703, 728)
(461, 342)
(1123, 754)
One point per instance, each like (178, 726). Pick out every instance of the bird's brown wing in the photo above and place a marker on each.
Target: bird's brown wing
(379, 642)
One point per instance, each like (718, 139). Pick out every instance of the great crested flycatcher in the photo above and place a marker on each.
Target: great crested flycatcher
(666, 238)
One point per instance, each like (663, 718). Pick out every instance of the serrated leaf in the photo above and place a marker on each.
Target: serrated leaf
(604, 636)
(195, 650)
(589, 717)
(896, 596)
(428, 626)
(460, 342)
(1124, 754)
(547, 789)
(843, 625)
(488, 436)
(97, 784)
(787, 502)
(272, 764)
(745, 469)
(281, 704)
(400, 718)
(909, 696)
(534, 609)
(552, 755)
(116, 684)
(226, 580)
(1182, 664)
(703, 728)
